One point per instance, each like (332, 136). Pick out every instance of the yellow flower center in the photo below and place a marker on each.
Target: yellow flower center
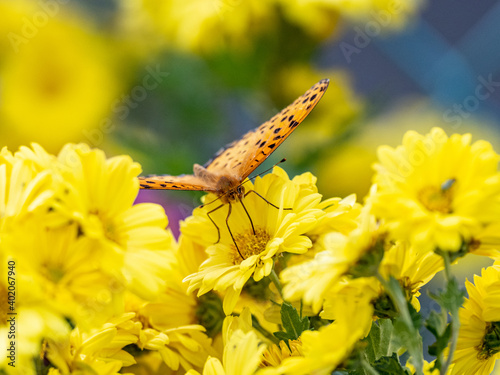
(438, 199)
(275, 354)
(249, 244)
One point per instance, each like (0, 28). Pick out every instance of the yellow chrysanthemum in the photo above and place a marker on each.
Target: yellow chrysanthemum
(185, 25)
(54, 64)
(413, 269)
(275, 354)
(242, 349)
(61, 271)
(312, 279)
(99, 351)
(478, 347)
(383, 15)
(99, 195)
(259, 237)
(326, 348)
(437, 191)
(171, 323)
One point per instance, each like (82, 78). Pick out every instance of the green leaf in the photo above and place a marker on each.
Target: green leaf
(291, 321)
(436, 323)
(390, 366)
(441, 343)
(378, 342)
(451, 298)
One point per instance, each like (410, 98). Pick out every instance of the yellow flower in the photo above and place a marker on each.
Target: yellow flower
(326, 348)
(387, 14)
(56, 68)
(99, 351)
(311, 280)
(274, 231)
(242, 349)
(428, 366)
(99, 195)
(185, 25)
(413, 269)
(174, 324)
(275, 354)
(62, 271)
(437, 191)
(477, 347)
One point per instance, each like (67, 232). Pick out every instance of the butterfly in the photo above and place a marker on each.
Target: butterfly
(224, 174)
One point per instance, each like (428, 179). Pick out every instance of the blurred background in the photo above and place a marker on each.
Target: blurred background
(169, 82)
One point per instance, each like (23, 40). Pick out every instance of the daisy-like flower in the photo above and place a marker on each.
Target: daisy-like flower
(259, 236)
(242, 349)
(437, 191)
(99, 351)
(478, 347)
(413, 269)
(326, 349)
(99, 195)
(357, 253)
(171, 323)
(61, 271)
(24, 188)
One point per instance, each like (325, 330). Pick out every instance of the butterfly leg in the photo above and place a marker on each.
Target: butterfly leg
(213, 222)
(265, 200)
(249, 218)
(229, 229)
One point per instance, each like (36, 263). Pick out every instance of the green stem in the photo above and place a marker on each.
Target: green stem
(276, 281)
(397, 296)
(263, 331)
(447, 265)
(455, 323)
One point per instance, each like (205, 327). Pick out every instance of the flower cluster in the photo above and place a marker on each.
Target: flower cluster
(282, 281)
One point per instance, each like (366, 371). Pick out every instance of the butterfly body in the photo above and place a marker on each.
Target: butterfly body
(231, 165)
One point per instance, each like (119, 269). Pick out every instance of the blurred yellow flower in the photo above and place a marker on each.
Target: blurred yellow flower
(478, 347)
(201, 26)
(436, 191)
(385, 14)
(59, 77)
(270, 232)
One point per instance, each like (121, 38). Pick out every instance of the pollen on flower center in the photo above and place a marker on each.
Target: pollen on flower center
(437, 198)
(490, 344)
(250, 244)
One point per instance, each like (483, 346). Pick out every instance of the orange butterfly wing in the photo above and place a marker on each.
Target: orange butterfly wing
(183, 182)
(242, 157)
